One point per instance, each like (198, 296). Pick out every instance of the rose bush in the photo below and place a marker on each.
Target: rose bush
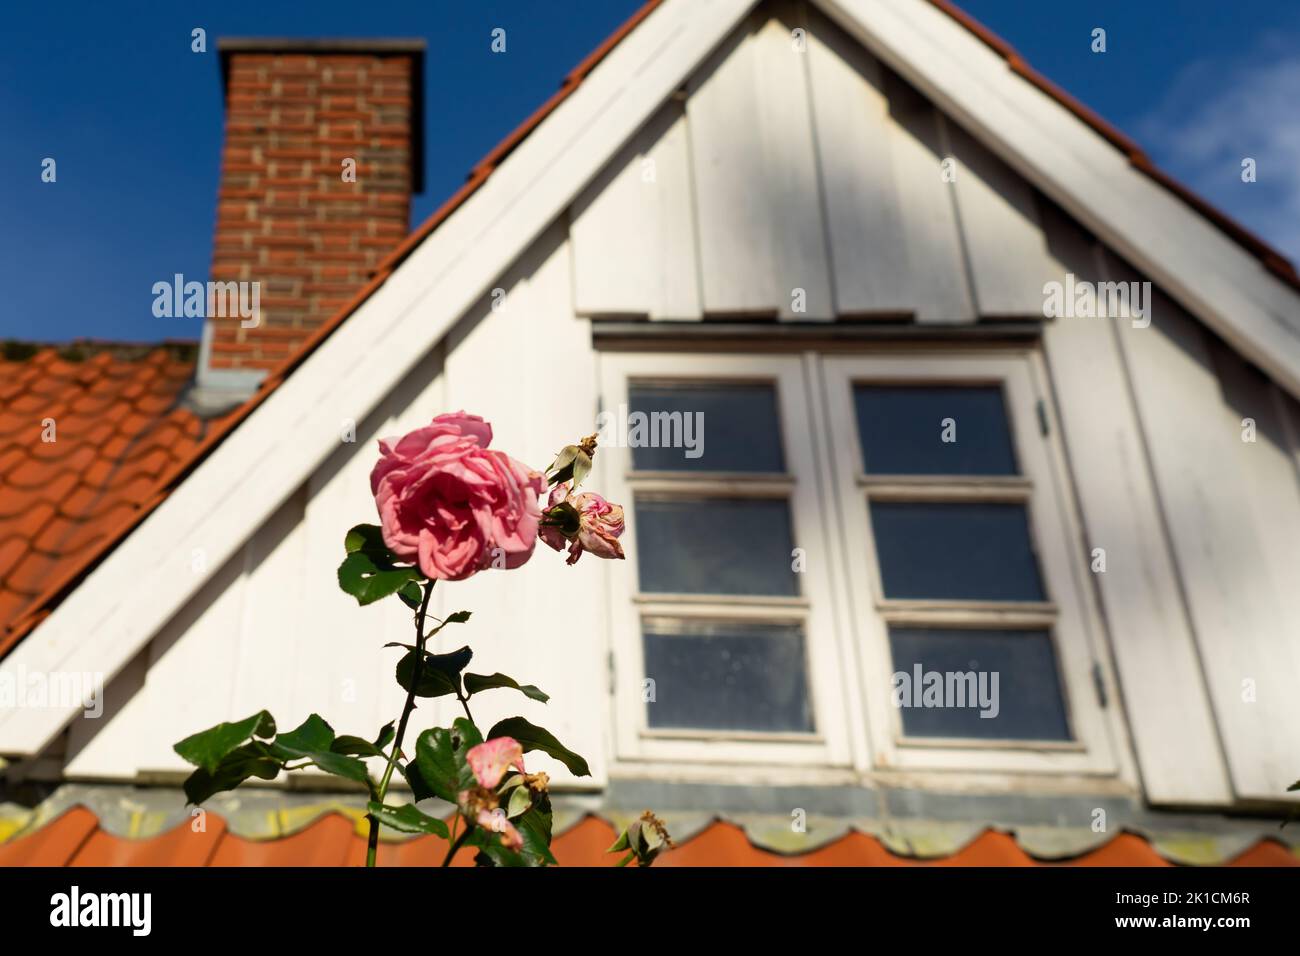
(449, 506)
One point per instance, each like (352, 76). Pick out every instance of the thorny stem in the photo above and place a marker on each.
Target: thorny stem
(460, 841)
(372, 845)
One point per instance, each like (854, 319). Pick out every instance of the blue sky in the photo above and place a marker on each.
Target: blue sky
(133, 117)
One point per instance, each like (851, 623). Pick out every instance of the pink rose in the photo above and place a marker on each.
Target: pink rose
(490, 760)
(449, 503)
(598, 528)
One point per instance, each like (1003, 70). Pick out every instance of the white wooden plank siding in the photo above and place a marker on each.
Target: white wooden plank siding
(1244, 627)
(633, 230)
(804, 169)
(736, 231)
(187, 686)
(1003, 238)
(864, 221)
(936, 267)
(790, 188)
(1169, 716)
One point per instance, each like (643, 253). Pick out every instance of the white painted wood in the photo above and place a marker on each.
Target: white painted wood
(1211, 275)
(1173, 731)
(1092, 750)
(1245, 626)
(633, 231)
(863, 218)
(738, 255)
(936, 268)
(187, 682)
(790, 187)
(1001, 231)
(107, 620)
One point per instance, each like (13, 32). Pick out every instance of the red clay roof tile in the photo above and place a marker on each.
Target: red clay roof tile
(76, 839)
(117, 430)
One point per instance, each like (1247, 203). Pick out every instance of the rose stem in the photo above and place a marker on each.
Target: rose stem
(372, 845)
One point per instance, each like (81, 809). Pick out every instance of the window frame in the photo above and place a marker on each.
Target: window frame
(813, 609)
(1069, 614)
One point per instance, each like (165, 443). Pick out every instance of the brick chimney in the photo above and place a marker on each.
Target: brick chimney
(323, 152)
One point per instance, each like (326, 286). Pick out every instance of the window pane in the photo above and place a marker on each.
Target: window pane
(726, 676)
(703, 545)
(667, 427)
(955, 551)
(901, 428)
(1010, 675)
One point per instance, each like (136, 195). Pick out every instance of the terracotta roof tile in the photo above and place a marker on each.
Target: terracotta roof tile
(76, 838)
(118, 430)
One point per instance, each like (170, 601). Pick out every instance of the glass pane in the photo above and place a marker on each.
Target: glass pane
(667, 427)
(902, 429)
(726, 676)
(955, 551)
(703, 545)
(946, 680)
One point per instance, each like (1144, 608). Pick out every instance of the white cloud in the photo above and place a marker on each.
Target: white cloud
(1223, 110)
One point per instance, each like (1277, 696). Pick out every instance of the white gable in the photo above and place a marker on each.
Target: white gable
(711, 167)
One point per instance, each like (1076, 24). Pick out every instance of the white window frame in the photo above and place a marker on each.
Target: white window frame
(828, 744)
(1069, 615)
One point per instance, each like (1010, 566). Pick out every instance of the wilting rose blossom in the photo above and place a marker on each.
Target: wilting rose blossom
(480, 805)
(600, 524)
(495, 820)
(451, 504)
(490, 760)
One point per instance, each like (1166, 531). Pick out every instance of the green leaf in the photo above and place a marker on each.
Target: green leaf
(532, 737)
(535, 828)
(208, 748)
(491, 850)
(477, 682)
(1294, 786)
(520, 801)
(368, 582)
(408, 819)
(439, 676)
(365, 537)
(250, 760)
(571, 463)
(340, 766)
(355, 746)
(420, 789)
(412, 595)
(456, 617)
(347, 744)
(435, 759)
(312, 735)
(467, 737)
